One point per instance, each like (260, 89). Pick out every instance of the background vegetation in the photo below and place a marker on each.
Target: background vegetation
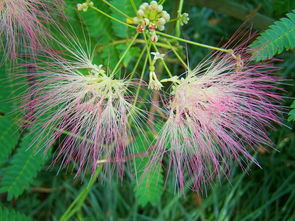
(33, 189)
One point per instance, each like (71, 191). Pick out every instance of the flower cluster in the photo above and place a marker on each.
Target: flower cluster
(84, 6)
(184, 18)
(152, 16)
(93, 110)
(215, 113)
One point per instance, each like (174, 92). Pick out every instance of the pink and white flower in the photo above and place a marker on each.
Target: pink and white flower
(22, 23)
(87, 110)
(217, 112)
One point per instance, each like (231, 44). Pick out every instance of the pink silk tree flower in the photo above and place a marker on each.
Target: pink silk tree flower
(22, 24)
(216, 113)
(88, 111)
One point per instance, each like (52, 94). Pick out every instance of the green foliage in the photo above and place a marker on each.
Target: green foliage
(5, 91)
(149, 188)
(120, 31)
(125, 6)
(23, 168)
(9, 136)
(292, 112)
(279, 36)
(98, 25)
(279, 6)
(11, 215)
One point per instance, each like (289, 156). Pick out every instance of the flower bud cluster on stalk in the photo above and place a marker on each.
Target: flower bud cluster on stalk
(153, 17)
(210, 115)
(84, 6)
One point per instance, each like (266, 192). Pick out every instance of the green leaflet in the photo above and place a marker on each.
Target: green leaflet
(278, 37)
(292, 112)
(98, 25)
(123, 31)
(24, 166)
(150, 184)
(132, 53)
(9, 137)
(12, 215)
(120, 30)
(9, 134)
(5, 90)
(125, 6)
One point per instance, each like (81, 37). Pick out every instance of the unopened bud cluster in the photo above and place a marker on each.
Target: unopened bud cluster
(151, 16)
(184, 19)
(84, 6)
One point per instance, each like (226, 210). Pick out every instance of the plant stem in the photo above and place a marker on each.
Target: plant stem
(141, 77)
(172, 20)
(133, 6)
(178, 56)
(124, 54)
(111, 17)
(116, 9)
(177, 33)
(194, 43)
(148, 47)
(164, 63)
(78, 202)
(137, 63)
(139, 41)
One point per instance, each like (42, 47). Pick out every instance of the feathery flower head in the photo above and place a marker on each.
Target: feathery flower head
(21, 23)
(216, 112)
(89, 110)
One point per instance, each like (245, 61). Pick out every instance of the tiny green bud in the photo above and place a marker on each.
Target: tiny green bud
(140, 13)
(184, 19)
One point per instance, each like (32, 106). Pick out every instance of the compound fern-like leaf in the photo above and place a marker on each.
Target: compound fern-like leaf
(12, 215)
(9, 137)
(23, 168)
(292, 112)
(278, 37)
(149, 188)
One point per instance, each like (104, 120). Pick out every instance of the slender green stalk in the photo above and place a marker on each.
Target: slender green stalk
(138, 41)
(78, 202)
(124, 54)
(141, 77)
(177, 33)
(133, 6)
(172, 20)
(164, 63)
(194, 43)
(111, 17)
(148, 48)
(116, 9)
(137, 62)
(178, 56)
